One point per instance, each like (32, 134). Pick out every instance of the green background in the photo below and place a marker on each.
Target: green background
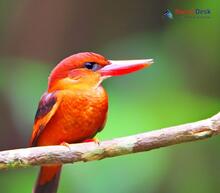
(182, 86)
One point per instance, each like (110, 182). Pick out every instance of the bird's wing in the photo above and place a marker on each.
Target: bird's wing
(47, 107)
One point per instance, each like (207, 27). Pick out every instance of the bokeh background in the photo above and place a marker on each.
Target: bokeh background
(182, 86)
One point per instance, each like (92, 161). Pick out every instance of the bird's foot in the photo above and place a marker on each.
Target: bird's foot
(95, 140)
(66, 145)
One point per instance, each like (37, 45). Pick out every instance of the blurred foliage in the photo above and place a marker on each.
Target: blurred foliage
(182, 86)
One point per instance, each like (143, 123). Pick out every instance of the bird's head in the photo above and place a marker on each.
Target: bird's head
(90, 69)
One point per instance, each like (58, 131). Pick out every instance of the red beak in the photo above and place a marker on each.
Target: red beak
(122, 67)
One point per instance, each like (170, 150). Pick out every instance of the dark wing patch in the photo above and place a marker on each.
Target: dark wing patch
(46, 104)
(46, 109)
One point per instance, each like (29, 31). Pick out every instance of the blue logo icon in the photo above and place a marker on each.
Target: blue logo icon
(168, 14)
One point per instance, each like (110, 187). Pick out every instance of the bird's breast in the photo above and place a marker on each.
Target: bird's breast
(80, 116)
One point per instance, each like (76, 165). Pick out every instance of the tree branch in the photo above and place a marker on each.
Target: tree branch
(47, 155)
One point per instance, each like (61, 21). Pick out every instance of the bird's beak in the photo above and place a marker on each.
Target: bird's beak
(122, 67)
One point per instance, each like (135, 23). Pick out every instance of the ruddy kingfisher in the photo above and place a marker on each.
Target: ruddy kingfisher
(74, 107)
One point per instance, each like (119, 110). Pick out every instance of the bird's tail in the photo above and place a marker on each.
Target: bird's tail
(48, 179)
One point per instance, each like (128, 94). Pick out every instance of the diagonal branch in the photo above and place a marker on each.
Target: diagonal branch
(19, 158)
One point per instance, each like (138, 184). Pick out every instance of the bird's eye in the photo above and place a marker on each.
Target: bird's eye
(92, 66)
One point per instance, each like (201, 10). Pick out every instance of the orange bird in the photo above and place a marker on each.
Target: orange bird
(74, 108)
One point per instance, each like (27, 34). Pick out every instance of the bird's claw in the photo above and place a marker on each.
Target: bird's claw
(66, 145)
(95, 140)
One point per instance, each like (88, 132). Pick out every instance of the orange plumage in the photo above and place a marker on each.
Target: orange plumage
(75, 106)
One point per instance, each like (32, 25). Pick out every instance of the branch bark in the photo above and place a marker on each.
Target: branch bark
(47, 155)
